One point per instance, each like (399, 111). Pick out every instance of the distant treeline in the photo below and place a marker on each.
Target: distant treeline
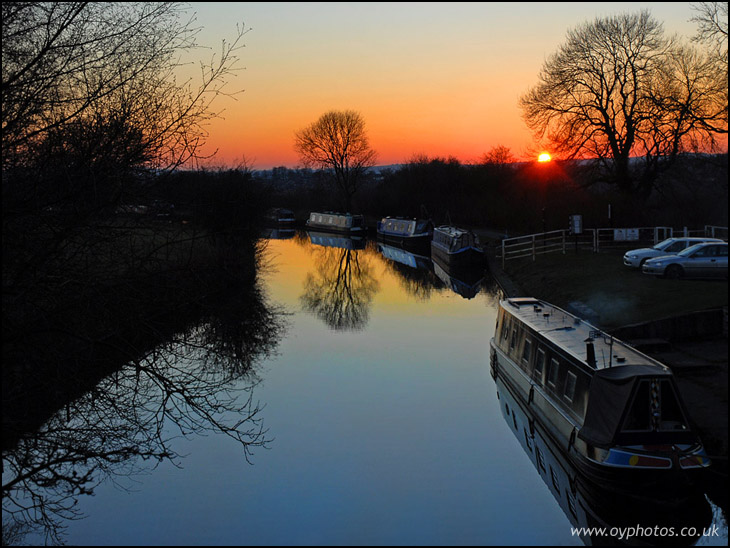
(516, 197)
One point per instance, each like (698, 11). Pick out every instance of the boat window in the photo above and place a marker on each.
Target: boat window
(540, 459)
(513, 342)
(526, 351)
(553, 372)
(639, 417)
(571, 503)
(528, 440)
(539, 364)
(672, 417)
(505, 329)
(554, 476)
(570, 381)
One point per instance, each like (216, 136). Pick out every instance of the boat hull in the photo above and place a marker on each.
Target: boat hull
(463, 258)
(562, 430)
(416, 241)
(355, 230)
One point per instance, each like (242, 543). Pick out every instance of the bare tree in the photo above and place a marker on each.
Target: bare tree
(618, 88)
(711, 19)
(498, 156)
(68, 65)
(337, 142)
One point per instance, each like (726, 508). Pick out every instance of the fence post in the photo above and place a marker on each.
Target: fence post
(562, 232)
(502, 253)
(533, 247)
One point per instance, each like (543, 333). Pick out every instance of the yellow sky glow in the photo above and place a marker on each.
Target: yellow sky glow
(438, 79)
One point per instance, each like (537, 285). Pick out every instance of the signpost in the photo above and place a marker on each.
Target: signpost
(576, 228)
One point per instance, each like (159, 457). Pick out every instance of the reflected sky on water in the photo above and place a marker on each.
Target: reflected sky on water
(383, 421)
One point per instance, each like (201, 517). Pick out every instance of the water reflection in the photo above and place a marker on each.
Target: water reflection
(340, 241)
(125, 424)
(414, 270)
(279, 233)
(629, 517)
(463, 281)
(342, 288)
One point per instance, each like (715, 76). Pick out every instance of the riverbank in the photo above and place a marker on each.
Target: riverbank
(615, 297)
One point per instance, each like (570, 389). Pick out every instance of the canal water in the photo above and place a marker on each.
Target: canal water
(380, 424)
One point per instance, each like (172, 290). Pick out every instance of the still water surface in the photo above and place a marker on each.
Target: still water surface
(383, 423)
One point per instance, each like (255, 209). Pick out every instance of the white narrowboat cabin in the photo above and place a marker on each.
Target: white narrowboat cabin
(336, 222)
(617, 411)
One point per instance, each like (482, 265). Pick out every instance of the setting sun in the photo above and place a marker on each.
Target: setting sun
(544, 157)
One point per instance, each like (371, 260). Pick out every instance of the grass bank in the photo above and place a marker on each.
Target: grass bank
(621, 296)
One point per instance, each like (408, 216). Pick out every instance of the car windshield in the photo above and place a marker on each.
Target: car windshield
(690, 250)
(661, 245)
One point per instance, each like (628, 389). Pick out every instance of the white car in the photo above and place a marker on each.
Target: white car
(671, 246)
(708, 260)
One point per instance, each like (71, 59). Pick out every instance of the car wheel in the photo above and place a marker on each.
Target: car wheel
(673, 272)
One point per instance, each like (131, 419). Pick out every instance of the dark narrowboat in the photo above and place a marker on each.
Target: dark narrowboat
(279, 217)
(456, 247)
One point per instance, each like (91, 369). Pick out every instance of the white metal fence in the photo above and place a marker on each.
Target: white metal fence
(595, 239)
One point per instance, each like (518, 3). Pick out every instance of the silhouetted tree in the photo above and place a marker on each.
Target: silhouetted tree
(499, 155)
(337, 142)
(69, 65)
(618, 89)
(711, 19)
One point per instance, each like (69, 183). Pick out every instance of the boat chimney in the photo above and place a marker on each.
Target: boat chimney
(590, 352)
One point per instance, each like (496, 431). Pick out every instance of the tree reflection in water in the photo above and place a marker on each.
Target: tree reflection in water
(201, 381)
(341, 291)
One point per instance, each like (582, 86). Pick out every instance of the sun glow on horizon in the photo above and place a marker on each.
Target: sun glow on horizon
(544, 157)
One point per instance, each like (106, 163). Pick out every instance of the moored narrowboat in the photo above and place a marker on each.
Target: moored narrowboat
(280, 217)
(615, 410)
(329, 221)
(405, 232)
(627, 515)
(457, 247)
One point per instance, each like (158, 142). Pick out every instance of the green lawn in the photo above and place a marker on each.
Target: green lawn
(621, 296)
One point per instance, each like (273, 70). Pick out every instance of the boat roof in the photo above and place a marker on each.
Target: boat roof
(348, 214)
(451, 230)
(571, 333)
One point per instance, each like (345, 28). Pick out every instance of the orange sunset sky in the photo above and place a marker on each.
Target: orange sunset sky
(440, 79)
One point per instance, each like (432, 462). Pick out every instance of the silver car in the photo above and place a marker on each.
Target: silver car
(708, 260)
(671, 246)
